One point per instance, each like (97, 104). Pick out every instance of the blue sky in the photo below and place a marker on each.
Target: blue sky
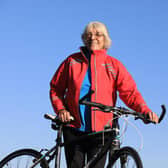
(37, 35)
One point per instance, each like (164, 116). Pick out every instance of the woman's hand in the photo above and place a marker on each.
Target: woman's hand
(153, 117)
(64, 115)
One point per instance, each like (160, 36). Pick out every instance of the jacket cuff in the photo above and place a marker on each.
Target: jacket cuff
(145, 109)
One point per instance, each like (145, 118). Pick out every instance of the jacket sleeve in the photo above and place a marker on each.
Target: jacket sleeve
(58, 87)
(128, 91)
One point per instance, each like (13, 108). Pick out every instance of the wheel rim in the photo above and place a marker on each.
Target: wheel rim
(24, 161)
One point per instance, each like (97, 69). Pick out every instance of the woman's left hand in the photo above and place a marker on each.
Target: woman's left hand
(153, 116)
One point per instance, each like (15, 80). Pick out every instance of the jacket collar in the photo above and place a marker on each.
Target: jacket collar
(85, 51)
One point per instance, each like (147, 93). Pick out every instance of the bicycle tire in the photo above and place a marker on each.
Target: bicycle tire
(126, 157)
(21, 159)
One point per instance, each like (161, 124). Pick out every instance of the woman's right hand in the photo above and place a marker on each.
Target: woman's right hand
(64, 115)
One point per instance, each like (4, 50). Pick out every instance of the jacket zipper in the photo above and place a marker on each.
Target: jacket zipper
(95, 90)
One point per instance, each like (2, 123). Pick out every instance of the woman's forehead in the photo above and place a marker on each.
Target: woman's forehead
(94, 29)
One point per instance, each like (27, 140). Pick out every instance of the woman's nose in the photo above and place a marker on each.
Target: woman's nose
(93, 36)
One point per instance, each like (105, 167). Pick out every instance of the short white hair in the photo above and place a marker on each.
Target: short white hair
(100, 27)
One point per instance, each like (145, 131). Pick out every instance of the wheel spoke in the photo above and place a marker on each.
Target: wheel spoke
(22, 159)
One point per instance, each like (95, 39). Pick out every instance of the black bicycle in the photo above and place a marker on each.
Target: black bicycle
(125, 157)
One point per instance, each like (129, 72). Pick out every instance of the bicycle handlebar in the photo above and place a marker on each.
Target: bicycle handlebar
(123, 111)
(56, 119)
(108, 109)
(163, 113)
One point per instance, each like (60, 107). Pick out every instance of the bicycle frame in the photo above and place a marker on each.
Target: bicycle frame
(117, 156)
(55, 151)
(106, 147)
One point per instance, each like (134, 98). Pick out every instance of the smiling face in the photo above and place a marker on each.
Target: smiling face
(95, 40)
(95, 36)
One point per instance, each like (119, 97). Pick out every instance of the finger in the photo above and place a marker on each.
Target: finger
(65, 116)
(156, 118)
(153, 117)
(68, 117)
(62, 117)
(150, 116)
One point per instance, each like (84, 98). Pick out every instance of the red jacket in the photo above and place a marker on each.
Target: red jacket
(108, 76)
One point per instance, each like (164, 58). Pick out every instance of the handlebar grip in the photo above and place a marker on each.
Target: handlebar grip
(163, 113)
(54, 117)
(49, 116)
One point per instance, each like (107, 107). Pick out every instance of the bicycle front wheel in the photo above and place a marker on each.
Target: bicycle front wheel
(126, 157)
(23, 158)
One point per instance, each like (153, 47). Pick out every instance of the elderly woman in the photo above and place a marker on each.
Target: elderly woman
(91, 69)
